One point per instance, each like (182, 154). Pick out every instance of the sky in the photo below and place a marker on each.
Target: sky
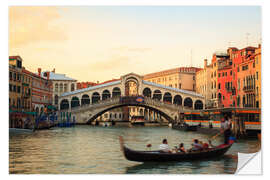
(99, 43)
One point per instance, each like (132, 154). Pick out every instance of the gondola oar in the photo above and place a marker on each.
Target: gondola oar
(214, 137)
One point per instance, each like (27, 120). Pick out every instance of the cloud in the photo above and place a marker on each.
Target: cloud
(131, 49)
(34, 24)
(116, 62)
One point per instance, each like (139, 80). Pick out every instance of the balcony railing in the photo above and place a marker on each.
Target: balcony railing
(248, 88)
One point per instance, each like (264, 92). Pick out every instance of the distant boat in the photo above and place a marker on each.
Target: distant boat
(20, 130)
(137, 120)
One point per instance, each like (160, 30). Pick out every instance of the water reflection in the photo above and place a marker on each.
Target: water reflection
(89, 150)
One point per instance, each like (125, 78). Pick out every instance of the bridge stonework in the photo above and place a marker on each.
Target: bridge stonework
(87, 104)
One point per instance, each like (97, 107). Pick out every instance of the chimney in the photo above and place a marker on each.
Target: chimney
(205, 63)
(53, 70)
(39, 71)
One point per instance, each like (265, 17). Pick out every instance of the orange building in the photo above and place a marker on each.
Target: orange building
(258, 76)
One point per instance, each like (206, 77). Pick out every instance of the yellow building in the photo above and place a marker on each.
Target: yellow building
(15, 91)
(258, 76)
(181, 78)
(203, 82)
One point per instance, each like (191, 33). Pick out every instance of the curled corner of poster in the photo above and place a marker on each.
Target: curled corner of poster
(249, 164)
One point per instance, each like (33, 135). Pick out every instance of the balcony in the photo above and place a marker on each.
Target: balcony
(248, 88)
(26, 95)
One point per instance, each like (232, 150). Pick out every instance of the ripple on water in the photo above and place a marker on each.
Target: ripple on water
(91, 150)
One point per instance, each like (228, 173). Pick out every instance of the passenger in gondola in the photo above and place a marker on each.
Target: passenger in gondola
(196, 145)
(181, 148)
(164, 147)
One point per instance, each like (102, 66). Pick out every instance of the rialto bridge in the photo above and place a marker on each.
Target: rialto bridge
(87, 104)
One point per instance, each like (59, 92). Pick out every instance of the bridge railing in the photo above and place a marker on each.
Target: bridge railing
(116, 100)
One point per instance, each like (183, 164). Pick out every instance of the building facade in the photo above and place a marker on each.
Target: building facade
(258, 76)
(181, 78)
(41, 93)
(15, 92)
(203, 83)
(60, 84)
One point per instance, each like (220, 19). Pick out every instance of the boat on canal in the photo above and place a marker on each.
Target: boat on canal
(159, 156)
(137, 120)
(185, 127)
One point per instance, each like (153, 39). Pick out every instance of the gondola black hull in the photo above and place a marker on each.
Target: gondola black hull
(185, 128)
(157, 156)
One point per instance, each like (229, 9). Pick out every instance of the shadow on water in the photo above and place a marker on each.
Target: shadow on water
(219, 165)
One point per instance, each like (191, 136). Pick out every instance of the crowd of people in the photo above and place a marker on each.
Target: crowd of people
(195, 146)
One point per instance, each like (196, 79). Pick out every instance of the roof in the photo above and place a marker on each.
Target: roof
(55, 76)
(91, 88)
(173, 89)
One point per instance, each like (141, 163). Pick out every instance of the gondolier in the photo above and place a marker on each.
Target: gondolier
(226, 128)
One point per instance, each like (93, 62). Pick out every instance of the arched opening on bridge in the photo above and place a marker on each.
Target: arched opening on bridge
(131, 87)
(157, 95)
(151, 114)
(167, 97)
(188, 102)
(95, 97)
(147, 92)
(64, 104)
(75, 102)
(177, 100)
(198, 104)
(85, 100)
(116, 92)
(106, 94)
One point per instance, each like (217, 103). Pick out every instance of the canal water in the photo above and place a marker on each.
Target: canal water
(96, 150)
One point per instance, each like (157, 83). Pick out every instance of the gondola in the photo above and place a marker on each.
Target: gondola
(185, 127)
(158, 156)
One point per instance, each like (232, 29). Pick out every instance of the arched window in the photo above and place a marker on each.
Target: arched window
(64, 104)
(116, 92)
(147, 92)
(61, 87)
(188, 102)
(56, 87)
(75, 102)
(157, 95)
(56, 99)
(85, 99)
(106, 94)
(177, 100)
(65, 87)
(167, 97)
(72, 87)
(198, 104)
(95, 97)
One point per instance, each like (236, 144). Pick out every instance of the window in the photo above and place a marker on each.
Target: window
(10, 75)
(222, 74)
(19, 89)
(10, 87)
(14, 88)
(218, 85)
(218, 74)
(14, 76)
(230, 72)
(238, 69)
(257, 75)
(193, 77)
(225, 73)
(175, 85)
(180, 86)
(254, 65)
